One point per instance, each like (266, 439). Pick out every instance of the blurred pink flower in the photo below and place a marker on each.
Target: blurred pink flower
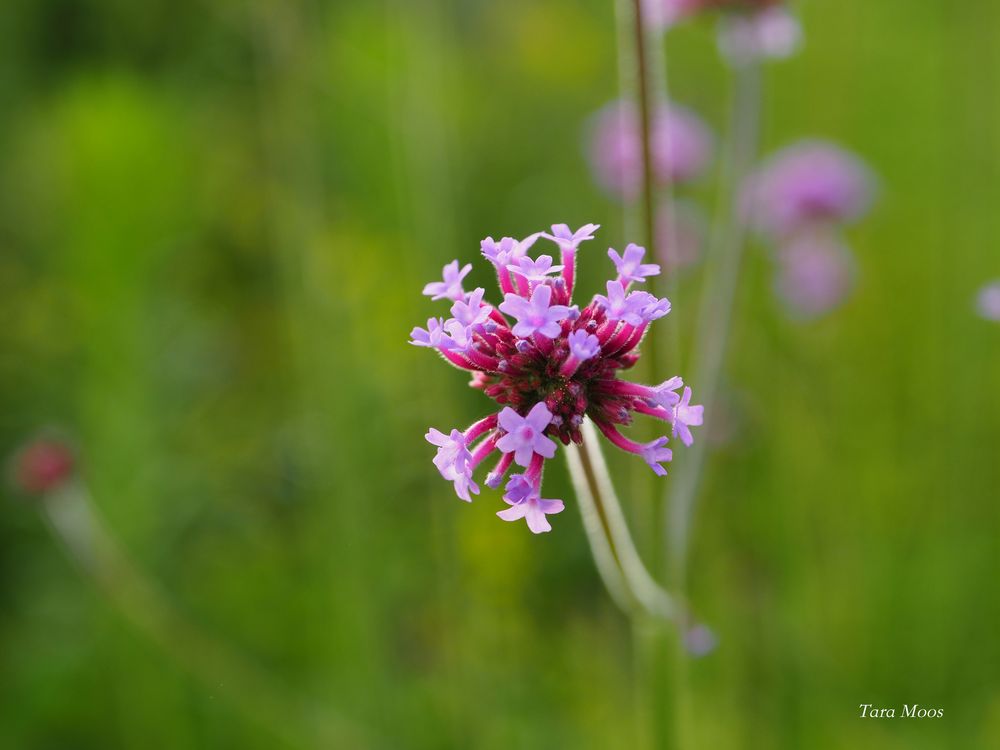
(815, 274)
(809, 183)
(988, 301)
(769, 33)
(42, 465)
(681, 148)
(662, 14)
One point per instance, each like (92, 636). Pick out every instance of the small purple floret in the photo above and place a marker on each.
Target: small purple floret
(535, 315)
(535, 270)
(630, 266)
(686, 416)
(567, 239)
(654, 453)
(434, 336)
(526, 435)
(583, 345)
(451, 287)
(471, 312)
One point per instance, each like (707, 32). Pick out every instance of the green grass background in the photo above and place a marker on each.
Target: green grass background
(215, 221)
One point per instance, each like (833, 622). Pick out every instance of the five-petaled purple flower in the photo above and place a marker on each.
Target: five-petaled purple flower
(451, 287)
(630, 266)
(550, 365)
(535, 315)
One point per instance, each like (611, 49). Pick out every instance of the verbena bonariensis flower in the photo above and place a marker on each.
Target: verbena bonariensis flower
(988, 301)
(681, 147)
(808, 184)
(547, 364)
(815, 274)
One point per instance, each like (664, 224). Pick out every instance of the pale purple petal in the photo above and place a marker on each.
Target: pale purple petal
(630, 266)
(470, 311)
(583, 345)
(434, 336)
(654, 453)
(988, 301)
(685, 416)
(567, 239)
(513, 513)
(451, 287)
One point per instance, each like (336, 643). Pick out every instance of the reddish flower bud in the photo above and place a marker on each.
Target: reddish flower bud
(42, 465)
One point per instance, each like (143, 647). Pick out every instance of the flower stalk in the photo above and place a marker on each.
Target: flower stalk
(718, 295)
(627, 579)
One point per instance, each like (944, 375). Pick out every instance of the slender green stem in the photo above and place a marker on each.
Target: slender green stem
(626, 577)
(644, 96)
(74, 521)
(715, 312)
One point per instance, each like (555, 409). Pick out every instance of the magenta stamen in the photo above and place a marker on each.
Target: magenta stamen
(482, 361)
(569, 270)
(543, 343)
(484, 449)
(457, 359)
(656, 412)
(618, 340)
(569, 366)
(503, 278)
(612, 434)
(478, 428)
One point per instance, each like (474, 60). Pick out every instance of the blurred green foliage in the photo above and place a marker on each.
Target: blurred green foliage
(215, 221)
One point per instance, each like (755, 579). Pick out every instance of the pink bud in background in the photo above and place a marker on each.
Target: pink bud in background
(679, 246)
(809, 183)
(988, 301)
(772, 32)
(815, 274)
(699, 640)
(682, 144)
(42, 465)
(662, 14)
(681, 148)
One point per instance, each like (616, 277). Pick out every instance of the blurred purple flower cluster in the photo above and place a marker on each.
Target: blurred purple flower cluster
(749, 30)
(682, 150)
(798, 200)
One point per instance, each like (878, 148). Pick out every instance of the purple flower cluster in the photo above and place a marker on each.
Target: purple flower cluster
(549, 364)
(798, 200)
(681, 147)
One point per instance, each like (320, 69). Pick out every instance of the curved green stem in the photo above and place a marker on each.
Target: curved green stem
(626, 577)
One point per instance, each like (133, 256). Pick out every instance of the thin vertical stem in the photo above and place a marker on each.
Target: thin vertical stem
(644, 95)
(715, 312)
